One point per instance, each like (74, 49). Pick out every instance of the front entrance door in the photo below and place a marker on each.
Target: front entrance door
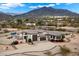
(25, 37)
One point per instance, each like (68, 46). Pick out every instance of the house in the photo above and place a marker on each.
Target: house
(40, 35)
(30, 24)
(9, 29)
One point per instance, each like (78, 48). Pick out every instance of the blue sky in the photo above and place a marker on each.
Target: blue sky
(25, 7)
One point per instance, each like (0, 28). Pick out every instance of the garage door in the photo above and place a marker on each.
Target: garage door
(42, 38)
(34, 37)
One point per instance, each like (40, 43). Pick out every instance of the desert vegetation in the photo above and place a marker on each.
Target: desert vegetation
(21, 23)
(64, 50)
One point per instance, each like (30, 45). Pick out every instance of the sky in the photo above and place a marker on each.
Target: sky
(39, 1)
(26, 7)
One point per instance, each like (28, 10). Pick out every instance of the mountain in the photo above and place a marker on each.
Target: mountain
(12, 14)
(5, 16)
(38, 13)
(47, 11)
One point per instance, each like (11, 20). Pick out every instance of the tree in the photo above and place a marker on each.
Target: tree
(26, 20)
(19, 21)
(40, 23)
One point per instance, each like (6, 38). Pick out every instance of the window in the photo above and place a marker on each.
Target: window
(58, 37)
(51, 36)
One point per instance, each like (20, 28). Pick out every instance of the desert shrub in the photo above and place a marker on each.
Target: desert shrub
(14, 43)
(49, 53)
(29, 40)
(78, 31)
(60, 29)
(51, 29)
(64, 50)
(6, 31)
(21, 42)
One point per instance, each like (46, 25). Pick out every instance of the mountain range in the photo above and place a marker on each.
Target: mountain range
(5, 16)
(44, 11)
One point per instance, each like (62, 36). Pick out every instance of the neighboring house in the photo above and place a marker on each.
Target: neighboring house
(9, 29)
(30, 24)
(72, 29)
(40, 35)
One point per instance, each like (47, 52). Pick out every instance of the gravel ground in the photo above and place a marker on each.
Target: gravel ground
(39, 48)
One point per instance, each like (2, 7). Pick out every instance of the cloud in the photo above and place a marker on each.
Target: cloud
(13, 1)
(10, 5)
(39, 6)
(39, 1)
(50, 5)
